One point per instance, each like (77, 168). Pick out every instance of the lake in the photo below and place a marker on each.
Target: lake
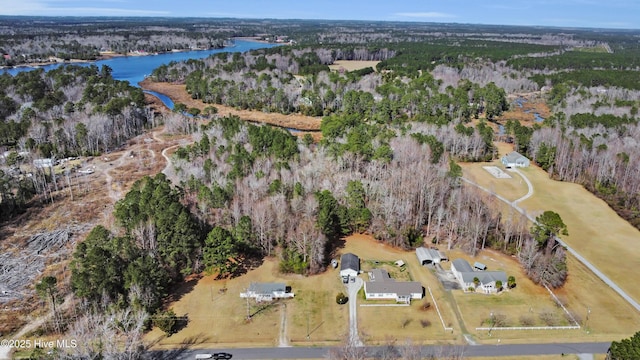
(134, 68)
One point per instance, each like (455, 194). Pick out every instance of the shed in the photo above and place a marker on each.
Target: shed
(399, 263)
(479, 266)
(349, 265)
(428, 256)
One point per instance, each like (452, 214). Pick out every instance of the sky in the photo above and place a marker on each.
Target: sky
(563, 13)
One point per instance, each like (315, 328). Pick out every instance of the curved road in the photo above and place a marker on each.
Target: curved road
(489, 351)
(573, 252)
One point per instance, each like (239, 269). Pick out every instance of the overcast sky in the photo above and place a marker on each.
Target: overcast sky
(566, 13)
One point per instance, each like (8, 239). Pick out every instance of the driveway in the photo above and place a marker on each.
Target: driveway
(352, 291)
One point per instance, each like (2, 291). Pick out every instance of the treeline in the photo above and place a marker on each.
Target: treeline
(621, 59)
(413, 57)
(627, 79)
(604, 160)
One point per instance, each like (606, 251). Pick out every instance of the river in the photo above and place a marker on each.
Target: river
(134, 68)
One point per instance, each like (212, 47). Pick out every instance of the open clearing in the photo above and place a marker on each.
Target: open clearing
(351, 65)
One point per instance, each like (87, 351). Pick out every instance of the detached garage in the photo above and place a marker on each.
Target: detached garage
(428, 256)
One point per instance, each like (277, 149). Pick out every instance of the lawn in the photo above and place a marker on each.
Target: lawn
(217, 315)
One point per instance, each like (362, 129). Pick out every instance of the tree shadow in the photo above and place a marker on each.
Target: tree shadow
(181, 289)
(184, 347)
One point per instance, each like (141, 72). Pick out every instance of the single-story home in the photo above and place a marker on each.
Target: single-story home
(465, 275)
(515, 159)
(428, 256)
(267, 291)
(349, 266)
(382, 287)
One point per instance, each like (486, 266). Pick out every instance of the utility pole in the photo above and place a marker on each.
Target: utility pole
(307, 324)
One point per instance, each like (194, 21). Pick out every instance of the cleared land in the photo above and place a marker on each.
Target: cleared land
(351, 65)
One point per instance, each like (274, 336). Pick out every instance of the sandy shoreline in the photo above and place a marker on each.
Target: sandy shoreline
(178, 94)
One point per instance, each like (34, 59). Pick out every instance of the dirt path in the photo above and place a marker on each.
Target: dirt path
(283, 342)
(529, 186)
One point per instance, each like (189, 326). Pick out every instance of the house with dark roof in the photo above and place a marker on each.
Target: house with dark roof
(267, 291)
(483, 281)
(515, 159)
(349, 266)
(428, 256)
(382, 287)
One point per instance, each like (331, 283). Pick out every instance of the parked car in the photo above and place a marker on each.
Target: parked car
(222, 356)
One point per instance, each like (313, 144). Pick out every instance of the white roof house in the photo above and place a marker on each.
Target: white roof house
(382, 287)
(465, 275)
(349, 265)
(267, 291)
(515, 159)
(429, 256)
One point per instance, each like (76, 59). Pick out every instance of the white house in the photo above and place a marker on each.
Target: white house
(515, 159)
(349, 266)
(430, 256)
(382, 287)
(267, 291)
(465, 275)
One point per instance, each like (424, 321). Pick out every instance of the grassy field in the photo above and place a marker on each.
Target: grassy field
(217, 315)
(351, 65)
(595, 230)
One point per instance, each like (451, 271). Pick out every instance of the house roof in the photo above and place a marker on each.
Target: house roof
(424, 253)
(514, 156)
(380, 275)
(485, 277)
(401, 288)
(462, 265)
(267, 288)
(479, 265)
(349, 261)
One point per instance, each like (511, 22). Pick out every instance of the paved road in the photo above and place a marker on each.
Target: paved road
(352, 290)
(490, 351)
(573, 252)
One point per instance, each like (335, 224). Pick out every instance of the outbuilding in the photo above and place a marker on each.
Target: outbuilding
(428, 256)
(349, 266)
